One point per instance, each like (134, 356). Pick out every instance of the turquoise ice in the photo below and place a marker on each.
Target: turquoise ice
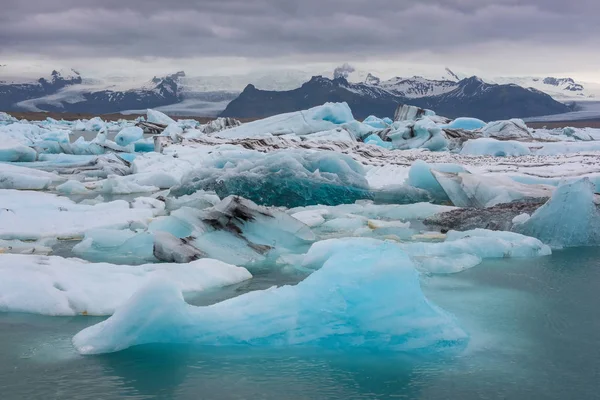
(366, 297)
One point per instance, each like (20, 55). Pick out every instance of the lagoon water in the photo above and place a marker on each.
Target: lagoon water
(534, 326)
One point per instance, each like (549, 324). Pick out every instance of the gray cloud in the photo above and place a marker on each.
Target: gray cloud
(348, 29)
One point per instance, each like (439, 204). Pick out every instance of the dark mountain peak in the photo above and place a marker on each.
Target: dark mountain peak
(452, 74)
(372, 80)
(249, 88)
(172, 77)
(569, 83)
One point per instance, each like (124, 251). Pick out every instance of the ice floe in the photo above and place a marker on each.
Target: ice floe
(52, 285)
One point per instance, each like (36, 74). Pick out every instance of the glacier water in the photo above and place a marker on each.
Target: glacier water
(533, 335)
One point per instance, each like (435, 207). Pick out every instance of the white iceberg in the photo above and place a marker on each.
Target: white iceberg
(321, 118)
(29, 215)
(69, 286)
(482, 191)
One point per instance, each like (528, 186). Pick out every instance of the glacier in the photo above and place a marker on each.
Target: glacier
(366, 298)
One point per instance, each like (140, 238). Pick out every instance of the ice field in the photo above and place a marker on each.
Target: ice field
(426, 246)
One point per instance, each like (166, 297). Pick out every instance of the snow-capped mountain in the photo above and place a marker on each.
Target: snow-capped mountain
(561, 89)
(443, 90)
(468, 97)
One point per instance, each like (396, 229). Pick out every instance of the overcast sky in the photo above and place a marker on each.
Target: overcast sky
(132, 37)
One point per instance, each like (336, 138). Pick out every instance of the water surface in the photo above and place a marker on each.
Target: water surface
(534, 326)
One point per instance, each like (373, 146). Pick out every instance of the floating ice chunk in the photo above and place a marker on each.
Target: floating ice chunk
(220, 124)
(401, 212)
(23, 178)
(119, 185)
(95, 124)
(32, 215)
(72, 187)
(462, 250)
(116, 246)
(407, 112)
(481, 191)
(69, 286)
(493, 147)
(569, 219)
(511, 129)
(129, 135)
(236, 231)
(173, 130)
(423, 133)
(365, 297)
(377, 141)
(41, 247)
(334, 135)
(419, 176)
(469, 124)
(317, 119)
(198, 200)
(520, 219)
(169, 248)
(12, 150)
(557, 148)
(156, 117)
(311, 218)
(375, 122)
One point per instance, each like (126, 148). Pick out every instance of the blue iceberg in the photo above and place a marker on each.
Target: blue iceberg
(363, 297)
(569, 219)
(290, 178)
(469, 124)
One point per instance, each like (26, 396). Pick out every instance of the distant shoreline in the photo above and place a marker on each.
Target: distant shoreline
(38, 116)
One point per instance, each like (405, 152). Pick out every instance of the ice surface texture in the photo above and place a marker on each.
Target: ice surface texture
(68, 286)
(366, 297)
(569, 219)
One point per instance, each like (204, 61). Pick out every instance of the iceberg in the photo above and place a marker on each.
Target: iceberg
(424, 133)
(420, 176)
(469, 124)
(377, 123)
(288, 178)
(362, 298)
(51, 285)
(29, 215)
(23, 178)
(459, 250)
(129, 135)
(481, 191)
(495, 148)
(235, 230)
(569, 219)
(510, 129)
(321, 118)
(11, 150)
(156, 117)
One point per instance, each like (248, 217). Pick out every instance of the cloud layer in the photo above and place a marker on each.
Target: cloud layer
(324, 29)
